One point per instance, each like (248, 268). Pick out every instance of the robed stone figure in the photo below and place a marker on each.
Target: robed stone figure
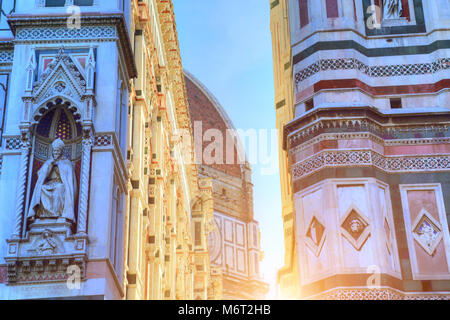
(392, 9)
(54, 193)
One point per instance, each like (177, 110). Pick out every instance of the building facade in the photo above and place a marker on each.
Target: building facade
(362, 89)
(100, 197)
(234, 245)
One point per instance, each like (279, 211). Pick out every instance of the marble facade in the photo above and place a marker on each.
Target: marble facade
(108, 83)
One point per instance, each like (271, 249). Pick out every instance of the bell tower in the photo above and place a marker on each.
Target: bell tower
(368, 148)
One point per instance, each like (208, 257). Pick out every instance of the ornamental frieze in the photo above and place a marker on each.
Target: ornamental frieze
(356, 158)
(368, 120)
(6, 57)
(395, 70)
(104, 33)
(376, 294)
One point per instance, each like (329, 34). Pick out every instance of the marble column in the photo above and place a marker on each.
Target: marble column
(84, 182)
(21, 186)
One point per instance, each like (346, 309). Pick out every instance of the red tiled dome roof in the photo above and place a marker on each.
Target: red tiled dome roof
(203, 107)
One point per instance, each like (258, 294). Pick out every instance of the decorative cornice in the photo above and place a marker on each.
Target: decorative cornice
(367, 136)
(375, 71)
(363, 119)
(6, 55)
(47, 28)
(364, 158)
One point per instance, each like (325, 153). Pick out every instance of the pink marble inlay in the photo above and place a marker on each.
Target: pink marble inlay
(354, 144)
(436, 264)
(421, 150)
(422, 199)
(426, 199)
(82, 62)
(47, 61)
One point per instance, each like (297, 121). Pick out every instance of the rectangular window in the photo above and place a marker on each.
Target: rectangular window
(198, 233)
(332, 9)
(83, 3)
(309, 105)
(55, 3)
(396, 103)
(62, 3)
(304, 16)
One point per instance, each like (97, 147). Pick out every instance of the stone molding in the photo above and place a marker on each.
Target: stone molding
(386, 126)
(6, 56)
(356, 158)
(377, 294)
(367, 136)
(376, 71)
(94, 27)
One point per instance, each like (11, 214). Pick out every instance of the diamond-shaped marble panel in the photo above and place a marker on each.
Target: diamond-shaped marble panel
(355, 227)
(427, 231)
(315, 236)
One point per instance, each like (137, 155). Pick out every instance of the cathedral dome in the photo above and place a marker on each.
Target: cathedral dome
(204, 107)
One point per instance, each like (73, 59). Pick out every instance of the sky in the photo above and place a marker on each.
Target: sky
(226, 44)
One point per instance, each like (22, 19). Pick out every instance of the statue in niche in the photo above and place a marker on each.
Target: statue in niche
(392, 9)
(54, 193)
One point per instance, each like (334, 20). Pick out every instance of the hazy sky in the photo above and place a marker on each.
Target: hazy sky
(226, 44)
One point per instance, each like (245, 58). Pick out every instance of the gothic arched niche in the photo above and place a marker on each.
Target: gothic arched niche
(57, 119)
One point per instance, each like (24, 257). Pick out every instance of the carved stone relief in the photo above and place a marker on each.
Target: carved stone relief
(427, 232)
(392, 9)
(355, 227)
